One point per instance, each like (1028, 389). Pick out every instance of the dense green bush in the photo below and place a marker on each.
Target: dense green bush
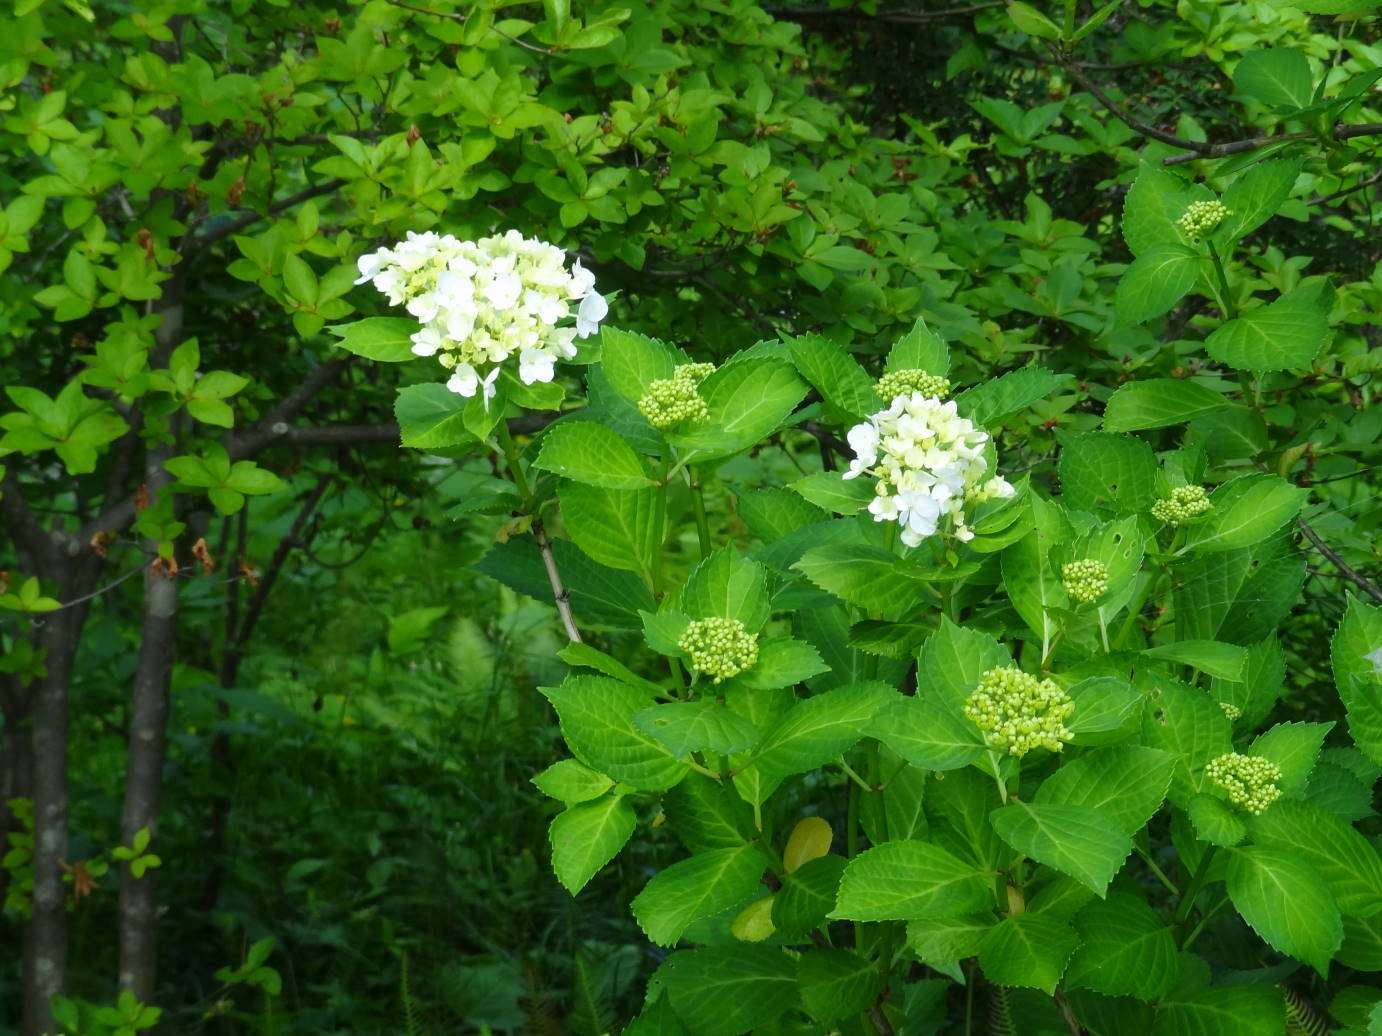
(328, 721)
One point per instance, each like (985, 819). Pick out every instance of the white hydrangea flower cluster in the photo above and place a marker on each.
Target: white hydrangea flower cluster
(480, 302)
(929, 463)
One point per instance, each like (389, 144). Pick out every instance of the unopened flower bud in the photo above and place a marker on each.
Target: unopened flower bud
(1017, 712)
(1250, 780)
(905, 382)
(672, 400)
(1085, 580)
(719, 647)
(1202, 217)
(1184, 504)
(1232, 711)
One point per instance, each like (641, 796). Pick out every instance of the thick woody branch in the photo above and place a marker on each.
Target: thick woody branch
(1124, 116)
(24, 529)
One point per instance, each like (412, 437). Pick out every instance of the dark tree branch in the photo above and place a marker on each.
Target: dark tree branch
(195, 243)
(802, 14)
(24, 529)
(1345, 570)
(1342, 131)
(1117, 110)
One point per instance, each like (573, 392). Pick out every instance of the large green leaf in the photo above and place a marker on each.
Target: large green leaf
(1358, 674)
(633, 361)
(748, 399)
(835, 374)
(1246, 511)
(730, 586)
(596, 715)
(870, 577)
(1116, 473)
(807, 895)
(1189, 725)
(836, 983)
(694, 726)
(1029, 577)
(695, 888)
(1082, 841)
(1282, 335)
(1294, 747)
(782, 663)
(1224, 661)
(385, 339)
(1158, 403)
(621, 528)
(1126, 783)
(1158, 279)
(819, 729)
(588, 452)
(430, 416)
(1286, 901)
(1155, 201)
(919, 349)
(585, 837)
(1349, 864)
(1126, 949)
(992, 400)
(728, 990)
(1252, 1010)
(902, 880)
(1254, 197)
(943, 940)
(1028, 950)
(706, 814)
(1279, 77)
(927, 735)
(951, 663)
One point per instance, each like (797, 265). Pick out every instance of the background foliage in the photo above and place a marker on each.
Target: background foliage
(350, 700)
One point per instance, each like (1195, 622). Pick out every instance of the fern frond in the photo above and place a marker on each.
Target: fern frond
(1000, 1013)
(591, 1013)
(412, 1024)
(1301, 1018)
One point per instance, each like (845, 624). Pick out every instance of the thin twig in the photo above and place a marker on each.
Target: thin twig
(559, 592)
(1199, 147)
(1344, 568)
(1342, 131)
(103, 590)
(1361, 185)
(193, 244)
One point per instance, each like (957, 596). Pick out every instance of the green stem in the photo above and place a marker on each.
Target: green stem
(852, 846)
(849, 770)
(1135, 609)
(1002, 784)
(510, 450)
(1161, 876)
(1187, 902)
(1204, 921)
(1103, 629)
(1225, 298)
(698, 506)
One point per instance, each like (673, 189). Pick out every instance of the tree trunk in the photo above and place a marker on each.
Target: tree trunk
(16, 763)
(138, 934)
(45, 937)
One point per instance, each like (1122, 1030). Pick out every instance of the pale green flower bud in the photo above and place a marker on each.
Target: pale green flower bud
(1202, 217)
(1184, 503)
(693, 372)
(719, 647)
(1085, 580)
(1018, 712)
(671, 401)
(904, 383)
(1249, 780)
(1232, 711)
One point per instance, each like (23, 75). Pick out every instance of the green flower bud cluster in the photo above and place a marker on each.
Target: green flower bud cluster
(904, 383)
(719, 647)
(1018, 712)
(1202, 217)
(1232, 711)
(1249, 780)
(672, 400)
(1184, 503)
(1085, 580)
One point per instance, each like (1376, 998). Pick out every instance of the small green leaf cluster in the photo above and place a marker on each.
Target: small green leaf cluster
(1017, 712)
(1250, 780)
(719, 647)
(1086, 580)
(1185, 504)
(670, 401)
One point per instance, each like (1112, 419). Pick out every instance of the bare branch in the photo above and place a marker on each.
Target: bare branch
(1342, 131)
(1345, 570)
(560, 594)
(1127, 118)
(195, 243)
